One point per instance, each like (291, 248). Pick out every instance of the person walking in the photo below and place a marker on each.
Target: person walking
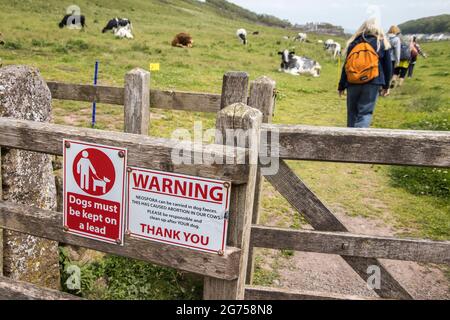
(416, 50)
(401, 56)
(394, 40)
(366, 73)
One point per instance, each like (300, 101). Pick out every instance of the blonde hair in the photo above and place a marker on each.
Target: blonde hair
(371, 27)
(394, 30)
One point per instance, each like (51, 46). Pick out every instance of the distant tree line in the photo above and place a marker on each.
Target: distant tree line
(437, 24)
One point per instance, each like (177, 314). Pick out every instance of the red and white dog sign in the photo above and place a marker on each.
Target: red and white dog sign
(94, 184)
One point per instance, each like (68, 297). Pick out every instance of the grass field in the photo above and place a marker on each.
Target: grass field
(33, 38)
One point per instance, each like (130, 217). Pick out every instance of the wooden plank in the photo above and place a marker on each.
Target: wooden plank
(185, 101)
(304, 200)
(49, 225)
(321, 218)
(146, 152)
(160, 99)
(346, 244)
(137, 102)
(377, 146)
(88, 93)
(268, 294)
(18, 290)
(262, 98)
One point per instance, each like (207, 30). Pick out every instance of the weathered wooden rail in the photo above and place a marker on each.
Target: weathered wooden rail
(225, 275)
(366, 146)
(161, 99)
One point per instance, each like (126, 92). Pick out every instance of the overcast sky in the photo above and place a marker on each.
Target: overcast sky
(347, 13)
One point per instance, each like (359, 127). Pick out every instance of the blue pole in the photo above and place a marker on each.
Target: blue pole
(94, 104)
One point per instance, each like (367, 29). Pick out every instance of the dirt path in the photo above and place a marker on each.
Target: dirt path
(329, 273)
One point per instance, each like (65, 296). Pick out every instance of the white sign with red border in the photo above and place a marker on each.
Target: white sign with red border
(177, 209)
(94, 190)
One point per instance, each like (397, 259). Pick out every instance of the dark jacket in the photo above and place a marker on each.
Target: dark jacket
(385, 64)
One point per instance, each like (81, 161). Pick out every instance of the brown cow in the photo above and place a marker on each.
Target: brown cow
(183, 40)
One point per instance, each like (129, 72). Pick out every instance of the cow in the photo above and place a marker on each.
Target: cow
(333, 47)
(73, 21)
(117, 23)
(182, 40)
(295, 65)
(255, 33)
(242, 35)
(302, 37)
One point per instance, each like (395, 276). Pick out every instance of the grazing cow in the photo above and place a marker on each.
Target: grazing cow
(182, 40)
(117, 23)
(333, 47)
(73, 21)
(124, 32)
(242, 34)
(302, 37)
(295, 65)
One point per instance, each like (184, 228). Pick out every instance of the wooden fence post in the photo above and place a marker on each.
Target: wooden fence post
(137, 102)
(262, 98)
(236, 117)
(234, 90)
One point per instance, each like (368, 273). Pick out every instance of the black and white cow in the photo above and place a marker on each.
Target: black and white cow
(242, 34)
(117, 23)
(295, 65)
(332, 47)
(301, 37)
(73, 21)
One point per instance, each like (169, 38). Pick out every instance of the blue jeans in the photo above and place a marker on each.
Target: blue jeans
(361, 100)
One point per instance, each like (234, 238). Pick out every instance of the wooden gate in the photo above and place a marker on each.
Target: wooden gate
(225, 274)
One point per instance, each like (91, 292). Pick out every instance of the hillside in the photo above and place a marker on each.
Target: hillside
(436, 24)
(233, 11)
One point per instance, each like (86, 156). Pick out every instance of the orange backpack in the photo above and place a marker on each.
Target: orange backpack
(362, 64)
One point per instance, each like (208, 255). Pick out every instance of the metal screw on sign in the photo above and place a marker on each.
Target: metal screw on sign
(118, 241)
(67, 144)
(121, 154)
(66, 228)
(226, 185)
(220, 252)
(129, 170)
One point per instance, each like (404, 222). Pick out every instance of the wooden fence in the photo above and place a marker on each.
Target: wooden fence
(366, 146)
(225, 275)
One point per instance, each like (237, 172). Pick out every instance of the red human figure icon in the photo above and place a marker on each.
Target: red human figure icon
(94, 172)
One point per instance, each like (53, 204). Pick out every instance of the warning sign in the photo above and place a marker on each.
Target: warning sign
(177, 209)
(94, 178)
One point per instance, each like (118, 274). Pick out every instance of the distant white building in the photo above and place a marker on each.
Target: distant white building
(428, 37)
